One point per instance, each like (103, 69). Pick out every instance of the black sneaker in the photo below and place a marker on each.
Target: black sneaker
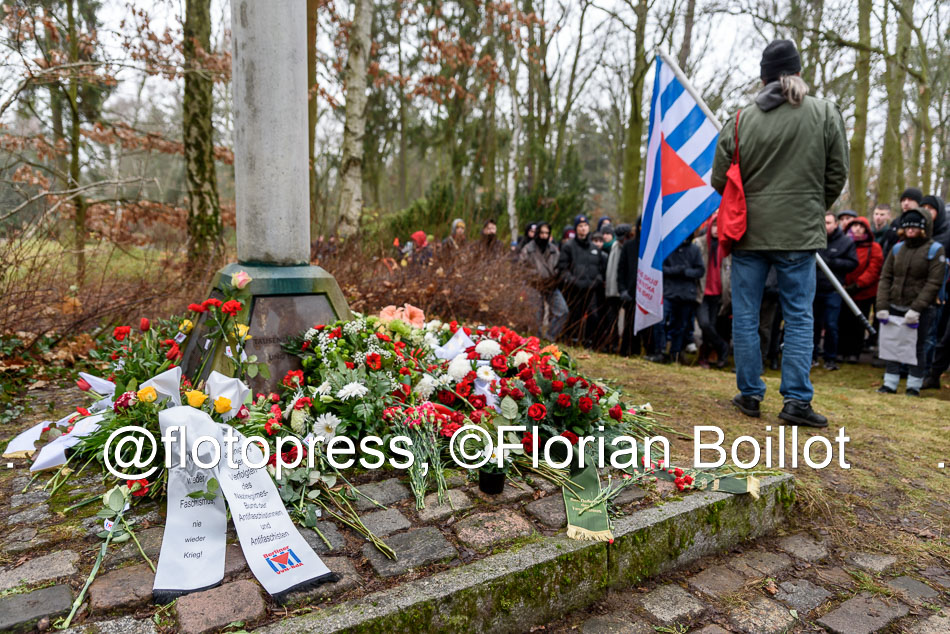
(831, 366)
(912, 392)
(885, 390)
(801, 413)
(747, 405)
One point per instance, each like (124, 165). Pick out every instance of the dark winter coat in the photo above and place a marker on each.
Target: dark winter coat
(794, 163)
(911, 278)
(942, 225)
(627, 269)
(581, 265)
(542, 263)
(682, 270)
(862, 281)
(840, 256)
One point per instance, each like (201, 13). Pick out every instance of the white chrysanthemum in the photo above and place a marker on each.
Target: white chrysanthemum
(352, 390)
(488, 348)
(446, 327)
(459, 367)
(325, 426)
(522, 357)
(433, 325)
(324, 389)
(431, 340)
(426, 386)
(485, 373)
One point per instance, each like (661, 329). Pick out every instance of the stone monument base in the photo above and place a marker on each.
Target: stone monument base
(285, 301)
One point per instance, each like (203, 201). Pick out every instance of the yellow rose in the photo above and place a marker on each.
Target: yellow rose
(147, 394)
(222, 405)
(197, 397)
(240, 331)
(186, 326)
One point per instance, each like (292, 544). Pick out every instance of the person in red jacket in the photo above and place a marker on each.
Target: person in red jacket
(861, 284)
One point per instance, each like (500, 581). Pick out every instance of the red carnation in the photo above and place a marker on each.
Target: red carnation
(537, 412)
(449, 428)
(211, 301)
(374, 361)
(571, 436)
(141, 491)
(272, 426)
(293, 378)
(571, 381)
(383, 337)
(616, 412)
(303, 402)
(499, 364)
(585, 404)
(349, 365)
(478, 401)
(121, 332)
(197, 308)
(564, 400)
(557, 386)
(231, 307)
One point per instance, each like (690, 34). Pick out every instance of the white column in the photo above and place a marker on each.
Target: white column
(269, 79)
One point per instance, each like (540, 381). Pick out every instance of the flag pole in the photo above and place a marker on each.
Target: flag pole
(680, 75)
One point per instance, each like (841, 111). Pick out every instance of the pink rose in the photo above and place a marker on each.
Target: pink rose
(414, 316)
(240, 279)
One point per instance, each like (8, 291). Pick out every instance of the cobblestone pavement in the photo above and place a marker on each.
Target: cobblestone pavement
(790, 583)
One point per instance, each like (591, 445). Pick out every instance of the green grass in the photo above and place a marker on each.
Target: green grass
(896, 444)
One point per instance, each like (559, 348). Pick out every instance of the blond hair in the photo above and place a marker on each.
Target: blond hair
(794, 89)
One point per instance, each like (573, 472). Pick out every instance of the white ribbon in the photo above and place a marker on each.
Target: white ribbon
(232, 389)
(54, 454)
(167, 384)
(276, 553)
(458, 344)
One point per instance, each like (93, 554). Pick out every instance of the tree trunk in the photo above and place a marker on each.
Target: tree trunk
(79, 218)
(569, 98)
(632, 157)
(204, 211)
(862, 71)
(351, 168)
(894, 82)
(403, 122)
(511, 184)
(688, 20)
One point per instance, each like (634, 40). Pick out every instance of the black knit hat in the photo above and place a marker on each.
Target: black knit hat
(850, 213)
(913, 218)
(779, 58)
(931, 200)
(913, 193)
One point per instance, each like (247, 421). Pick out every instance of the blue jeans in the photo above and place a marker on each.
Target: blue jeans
(827, 309)
(796, 284)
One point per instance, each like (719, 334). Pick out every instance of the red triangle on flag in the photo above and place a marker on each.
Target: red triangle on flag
(677, 175)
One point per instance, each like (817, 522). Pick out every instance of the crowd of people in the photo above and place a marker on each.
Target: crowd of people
(586, 288)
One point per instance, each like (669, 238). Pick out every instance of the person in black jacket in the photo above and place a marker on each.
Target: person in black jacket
(581, 267)
(841, 256)
(910, 199)
(627, 286)
(682, 270)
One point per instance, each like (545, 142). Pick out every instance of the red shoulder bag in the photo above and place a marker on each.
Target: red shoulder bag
(732, 209)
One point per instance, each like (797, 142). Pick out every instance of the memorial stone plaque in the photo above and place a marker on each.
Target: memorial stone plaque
(273, 319)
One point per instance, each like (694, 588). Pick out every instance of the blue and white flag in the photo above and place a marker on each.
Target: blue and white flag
(677, 197)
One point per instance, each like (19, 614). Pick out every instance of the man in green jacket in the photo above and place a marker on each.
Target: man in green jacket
(793, 156)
